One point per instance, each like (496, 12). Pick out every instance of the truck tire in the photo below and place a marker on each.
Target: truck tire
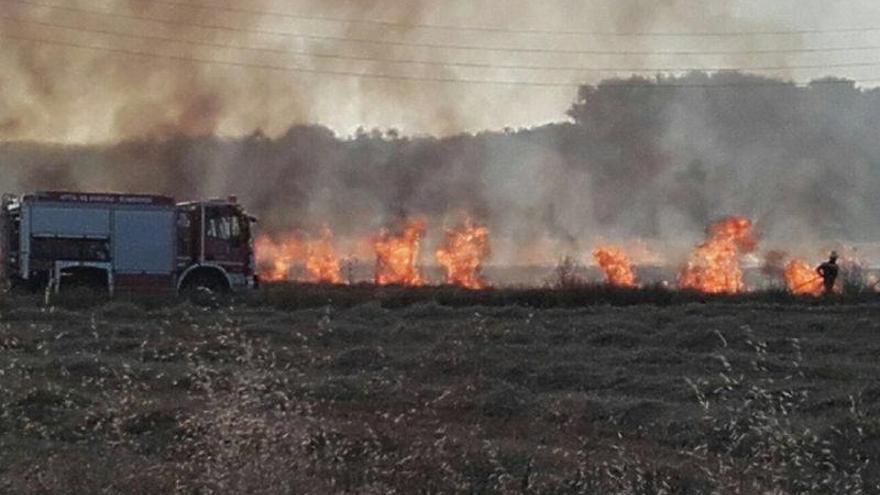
(204, 284)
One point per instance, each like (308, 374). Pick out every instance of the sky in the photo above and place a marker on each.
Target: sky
(100, 71)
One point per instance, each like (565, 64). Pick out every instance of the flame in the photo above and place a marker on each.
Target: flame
(275, 259)
(802, 279)
(322, 262)
(397, 254)
(616, 265)
(714, 266)
(462, 254)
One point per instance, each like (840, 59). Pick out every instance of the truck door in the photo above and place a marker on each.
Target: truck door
(227, 238)
(188, 238)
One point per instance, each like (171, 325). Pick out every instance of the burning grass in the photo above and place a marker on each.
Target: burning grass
(801, 278)
(714, 266)
(464, 250)
(322, 262)
(616, 266)
(397, 254)
(277, 258)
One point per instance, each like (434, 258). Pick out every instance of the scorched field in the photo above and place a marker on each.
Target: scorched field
(283, 393)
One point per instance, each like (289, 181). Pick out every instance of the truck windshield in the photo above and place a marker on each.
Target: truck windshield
(228, 227)
(221, 227)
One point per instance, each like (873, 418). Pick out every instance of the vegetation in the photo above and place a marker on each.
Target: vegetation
(278, 393)
(640, 157)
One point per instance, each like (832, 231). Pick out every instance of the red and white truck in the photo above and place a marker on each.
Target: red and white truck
(125, 242)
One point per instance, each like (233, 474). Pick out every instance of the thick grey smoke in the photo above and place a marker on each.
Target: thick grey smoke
(642, 159)
(634, 158)
(69, 94)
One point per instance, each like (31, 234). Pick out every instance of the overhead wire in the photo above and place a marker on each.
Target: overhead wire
(463, 64)
(501, 29)
(272, 67)
(383, 76)
(128, 35)
(451, 64)
(362, 40)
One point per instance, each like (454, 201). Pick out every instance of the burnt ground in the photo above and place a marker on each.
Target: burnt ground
(270, 395)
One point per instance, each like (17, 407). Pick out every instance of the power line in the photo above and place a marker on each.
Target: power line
(279, 68)
(304, 53)
(394, 77)
(286, 34)
(499, 29)
(342, 39)
(430, 62)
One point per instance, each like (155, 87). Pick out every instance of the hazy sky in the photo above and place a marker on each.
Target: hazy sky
(85, 93)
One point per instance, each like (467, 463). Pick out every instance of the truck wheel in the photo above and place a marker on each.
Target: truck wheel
(203, 288)
(206, 283)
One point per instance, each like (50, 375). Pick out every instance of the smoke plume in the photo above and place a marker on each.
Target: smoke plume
(98, 97)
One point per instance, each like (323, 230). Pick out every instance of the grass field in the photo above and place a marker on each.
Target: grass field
(361, 390)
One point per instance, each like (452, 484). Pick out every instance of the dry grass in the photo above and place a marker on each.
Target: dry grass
(568, 291)
(429, 397)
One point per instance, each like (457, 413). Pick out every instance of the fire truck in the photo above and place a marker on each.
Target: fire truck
(125, 242)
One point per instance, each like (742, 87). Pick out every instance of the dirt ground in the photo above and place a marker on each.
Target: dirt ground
(712, 397)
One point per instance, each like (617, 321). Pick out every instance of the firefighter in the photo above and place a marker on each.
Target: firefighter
(828, 271)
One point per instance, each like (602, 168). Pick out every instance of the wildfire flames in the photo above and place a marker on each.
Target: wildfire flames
(462, 254)
(616, 265)
(714, 266)
(276, 259)
(398, 253)
(802, 279)
(322, 262)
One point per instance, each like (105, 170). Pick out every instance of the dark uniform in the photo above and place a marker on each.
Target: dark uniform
(828, 271)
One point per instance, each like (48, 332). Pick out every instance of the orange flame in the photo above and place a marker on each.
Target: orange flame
(322, 262)
(802, 279)
(616, 265)
(462, 254)
(275, 259)
(397, 254)
(714, 266)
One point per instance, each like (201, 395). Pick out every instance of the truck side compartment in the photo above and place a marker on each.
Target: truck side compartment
(100, 241)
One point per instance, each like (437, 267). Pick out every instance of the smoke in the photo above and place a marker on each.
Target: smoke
(617, 159)
(89, 93)
(641, 159)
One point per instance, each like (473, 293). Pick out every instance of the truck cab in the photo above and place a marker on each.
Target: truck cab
(215, 246)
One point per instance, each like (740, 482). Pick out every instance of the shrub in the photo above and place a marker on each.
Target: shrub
(568, 274)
